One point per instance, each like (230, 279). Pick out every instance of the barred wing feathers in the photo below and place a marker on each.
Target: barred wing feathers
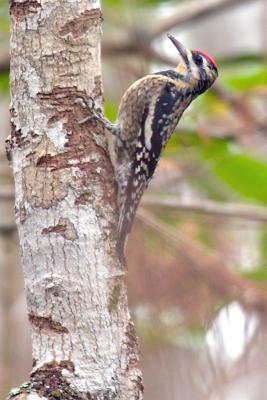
(159, 120)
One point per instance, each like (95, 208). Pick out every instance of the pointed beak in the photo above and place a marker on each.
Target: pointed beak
(179, 47)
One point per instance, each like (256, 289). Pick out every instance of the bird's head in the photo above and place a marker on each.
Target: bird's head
(197, 68)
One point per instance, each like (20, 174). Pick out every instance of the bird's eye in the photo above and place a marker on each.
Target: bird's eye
(198, 59)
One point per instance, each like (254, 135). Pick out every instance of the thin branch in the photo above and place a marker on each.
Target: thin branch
(192, 12)
(208, 207)
(4, 62)
(7, 228)
(186, 14)
(209, 265)
(240, 105)
(6, 192)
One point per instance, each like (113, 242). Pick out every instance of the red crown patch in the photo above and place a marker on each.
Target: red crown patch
(208, 57)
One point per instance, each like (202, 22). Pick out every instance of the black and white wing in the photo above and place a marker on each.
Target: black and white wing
(159, 120)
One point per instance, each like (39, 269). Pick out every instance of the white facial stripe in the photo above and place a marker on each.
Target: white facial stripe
(183, 67)
(194, 68)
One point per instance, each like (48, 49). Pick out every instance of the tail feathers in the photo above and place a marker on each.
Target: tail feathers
(125, 223)
(124, 227)
(126, 217)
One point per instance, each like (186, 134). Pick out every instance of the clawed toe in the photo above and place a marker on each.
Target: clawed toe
(88, 103)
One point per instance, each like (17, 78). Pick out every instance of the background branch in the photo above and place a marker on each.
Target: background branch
(208, 207)
(209, 265)
(192, 12)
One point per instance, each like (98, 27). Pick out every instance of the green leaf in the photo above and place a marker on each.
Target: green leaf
(4, 82)
(110, 108)
(245, 76)
(245, 174)
(258, 275)
(4, 16)
(219, 164)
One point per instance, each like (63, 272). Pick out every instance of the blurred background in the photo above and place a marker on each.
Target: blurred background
(198, 253)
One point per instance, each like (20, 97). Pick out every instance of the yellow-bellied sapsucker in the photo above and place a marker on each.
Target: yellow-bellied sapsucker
(148, 114)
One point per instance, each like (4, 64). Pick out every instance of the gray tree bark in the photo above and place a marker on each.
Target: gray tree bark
(83, 340)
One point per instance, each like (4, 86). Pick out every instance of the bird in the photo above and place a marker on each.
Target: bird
(148, 114)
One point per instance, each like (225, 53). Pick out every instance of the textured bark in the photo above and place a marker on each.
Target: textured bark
(83, 340)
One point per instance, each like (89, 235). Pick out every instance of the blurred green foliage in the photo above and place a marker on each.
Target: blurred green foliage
(4, 83)
(225, 161)
(4, 38)
(4, 17)
(111, 109)
(245, 75)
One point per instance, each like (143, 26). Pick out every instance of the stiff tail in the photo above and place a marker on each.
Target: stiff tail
(126, 219)
(124, 227)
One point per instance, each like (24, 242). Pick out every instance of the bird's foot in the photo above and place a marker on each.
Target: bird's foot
(95, 113)
(89, 105)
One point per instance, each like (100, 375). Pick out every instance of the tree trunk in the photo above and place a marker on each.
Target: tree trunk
(83, 340)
